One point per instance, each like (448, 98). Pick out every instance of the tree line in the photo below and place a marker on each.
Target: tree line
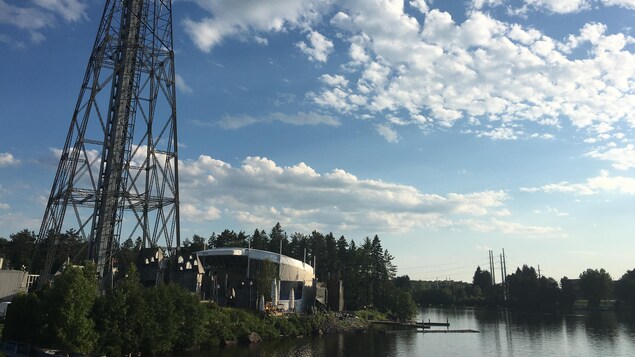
(527, 290)
(366, 269)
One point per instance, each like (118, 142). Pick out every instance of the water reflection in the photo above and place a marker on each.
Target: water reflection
(502, 333)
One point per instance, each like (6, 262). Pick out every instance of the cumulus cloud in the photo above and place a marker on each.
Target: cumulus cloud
(300, 118)
(603, 183)
(559, 6)
(629, 4)
(482, 69)
(7, 159)
(319, 47)
(260, 192)
(230, 18)
(622, 158)
(387, 132)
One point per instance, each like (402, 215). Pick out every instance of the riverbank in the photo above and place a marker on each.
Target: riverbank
(221, 326)
(227, 326)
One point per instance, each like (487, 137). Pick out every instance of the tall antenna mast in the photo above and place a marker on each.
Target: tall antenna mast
(118, 171)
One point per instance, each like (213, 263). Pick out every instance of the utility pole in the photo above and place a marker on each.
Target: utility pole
(491, 267)
(504, 268)
(503, 277)
(538, 271)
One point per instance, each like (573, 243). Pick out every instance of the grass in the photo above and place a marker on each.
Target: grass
(370, 315)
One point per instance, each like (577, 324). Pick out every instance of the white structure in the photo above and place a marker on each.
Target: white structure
(237, 267)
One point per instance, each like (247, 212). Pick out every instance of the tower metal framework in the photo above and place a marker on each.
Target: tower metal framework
(118, 171)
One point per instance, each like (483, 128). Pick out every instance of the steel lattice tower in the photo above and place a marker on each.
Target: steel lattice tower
(118, 172)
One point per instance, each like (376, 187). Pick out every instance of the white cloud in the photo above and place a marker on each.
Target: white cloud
(515, 229)
(319, 47)
(500, 134)
(231, 18)
(629, 4)
(35, 17)
(552, 211)
(559, 6)
(479, 4)
(621, 158)
(260, 192)
(482, 69)
(334, 81)
(4, 206)
(7, 159)
(30, 18)
(420, 5)
(300, 118)
(592, 186)
(182, 86)
(70, 10)
(387, 132)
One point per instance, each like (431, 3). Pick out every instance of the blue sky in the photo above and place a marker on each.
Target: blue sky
(448, 128)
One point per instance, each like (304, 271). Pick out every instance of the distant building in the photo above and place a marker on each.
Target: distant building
(189, 272)
(230, 275)
(13, 282)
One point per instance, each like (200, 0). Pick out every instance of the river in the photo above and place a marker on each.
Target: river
(500, 334)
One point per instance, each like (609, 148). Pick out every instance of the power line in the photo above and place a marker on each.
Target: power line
(442, 264)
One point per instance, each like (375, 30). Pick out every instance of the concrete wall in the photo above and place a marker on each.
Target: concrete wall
(12, 282)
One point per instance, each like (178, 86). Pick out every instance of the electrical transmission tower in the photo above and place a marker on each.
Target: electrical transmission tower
(118, 172)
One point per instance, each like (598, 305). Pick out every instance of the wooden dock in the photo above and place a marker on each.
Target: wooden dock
(415, 324)
(450, 331)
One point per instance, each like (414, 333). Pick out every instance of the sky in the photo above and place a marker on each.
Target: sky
(448, 128)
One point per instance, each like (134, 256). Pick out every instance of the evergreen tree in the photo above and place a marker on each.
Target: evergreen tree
(198, 243)
(211, 241)
(483, 280)
(21, 249)
(277, 237)
(259, 240)
(242, 240)
(317, 249)
(330, 258)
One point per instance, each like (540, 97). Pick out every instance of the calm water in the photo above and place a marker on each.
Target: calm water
(501, 334)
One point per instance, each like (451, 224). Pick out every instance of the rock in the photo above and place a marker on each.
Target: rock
(227, 342)
(253, 337)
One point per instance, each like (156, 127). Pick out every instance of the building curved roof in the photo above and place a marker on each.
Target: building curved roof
(257, 254)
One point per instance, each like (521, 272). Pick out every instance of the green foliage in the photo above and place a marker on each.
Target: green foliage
(567, 293)
(68, 307)
(404, 306)
(264, 278)
(595, 285)
(121, 316)
(625, 289)
(483, 280)
(23, 321)
(276, 237)
(370, 314)
(20, 249)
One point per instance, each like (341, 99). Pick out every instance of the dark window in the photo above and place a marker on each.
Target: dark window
(285, 289)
